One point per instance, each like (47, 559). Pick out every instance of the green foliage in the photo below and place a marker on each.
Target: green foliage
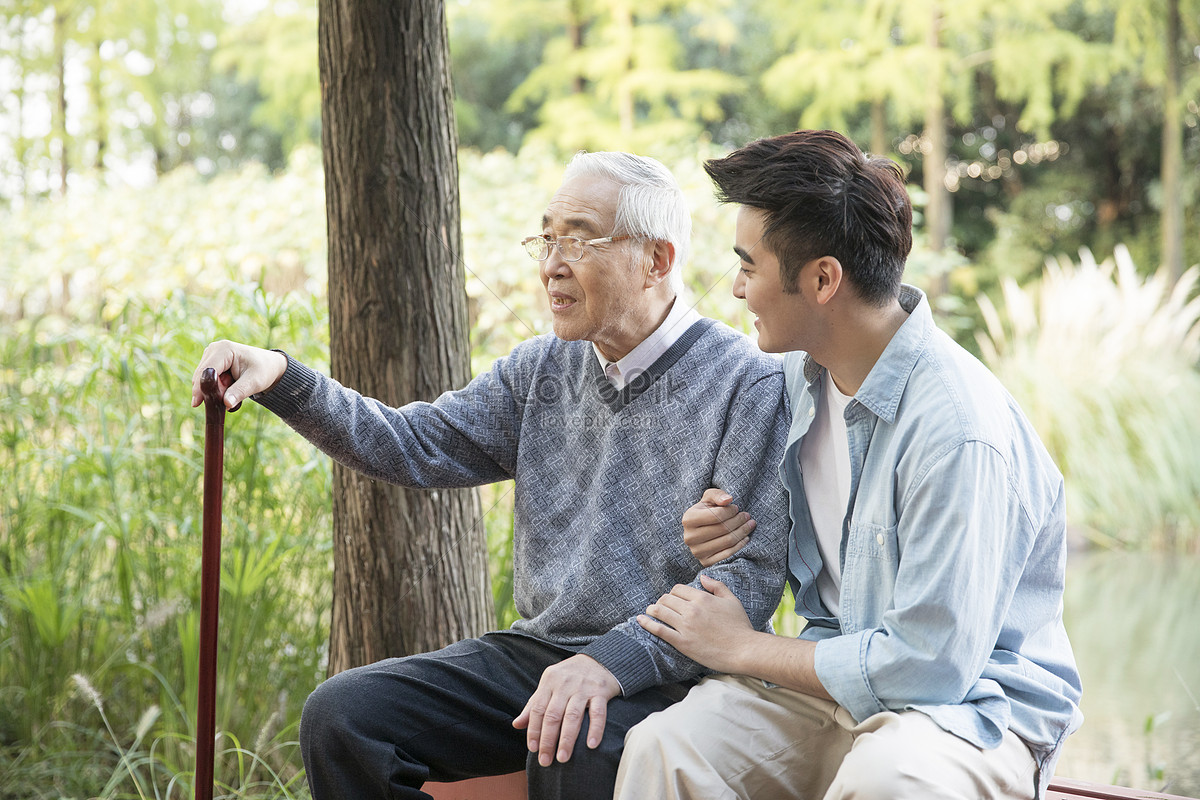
(617, 79)
(1104, 363)
(81, 258)
(157, 83)
(107, 301)
(150, 84)
(882, 51)
(487, 67)
(1140, 30)
(277, 54)
(100, 538)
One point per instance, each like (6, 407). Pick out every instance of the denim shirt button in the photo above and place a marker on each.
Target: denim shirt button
(811, 411)
(879, 538)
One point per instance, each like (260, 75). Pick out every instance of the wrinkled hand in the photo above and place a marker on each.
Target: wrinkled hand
(714, 529)
(710, 627)
(241, 370)
(554, 712)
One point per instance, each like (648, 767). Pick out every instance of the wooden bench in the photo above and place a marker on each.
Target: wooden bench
(498, 787)
(1067, 789)
(512, 787)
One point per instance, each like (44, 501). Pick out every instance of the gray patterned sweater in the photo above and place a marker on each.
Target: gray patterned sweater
(602, 476)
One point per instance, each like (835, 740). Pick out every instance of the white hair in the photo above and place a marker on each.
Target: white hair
(650, 204)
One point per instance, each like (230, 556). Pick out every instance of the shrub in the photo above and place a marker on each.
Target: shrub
(1104, 363)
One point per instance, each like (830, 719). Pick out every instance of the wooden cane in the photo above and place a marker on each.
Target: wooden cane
(210, 583)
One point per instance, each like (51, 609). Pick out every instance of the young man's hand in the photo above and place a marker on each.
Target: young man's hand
(710, 627)
(554, 712)
(241, 370)
(714, 529)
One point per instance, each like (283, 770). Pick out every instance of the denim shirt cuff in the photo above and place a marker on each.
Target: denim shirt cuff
(841, 666)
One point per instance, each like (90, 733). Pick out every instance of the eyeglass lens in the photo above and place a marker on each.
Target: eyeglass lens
(570, 247)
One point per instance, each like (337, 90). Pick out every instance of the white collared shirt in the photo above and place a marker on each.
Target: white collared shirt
(681, 317)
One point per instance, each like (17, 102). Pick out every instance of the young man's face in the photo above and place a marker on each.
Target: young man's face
(781, 319)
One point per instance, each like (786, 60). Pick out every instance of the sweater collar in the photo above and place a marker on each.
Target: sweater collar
(623, 371)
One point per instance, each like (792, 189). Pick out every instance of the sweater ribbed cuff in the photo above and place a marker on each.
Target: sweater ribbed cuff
(292, 391)
(627, 660)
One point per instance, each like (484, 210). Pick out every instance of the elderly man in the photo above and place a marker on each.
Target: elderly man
(610, 427)
(928, 542)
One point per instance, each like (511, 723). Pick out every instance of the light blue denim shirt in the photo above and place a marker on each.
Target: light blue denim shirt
(953, 549)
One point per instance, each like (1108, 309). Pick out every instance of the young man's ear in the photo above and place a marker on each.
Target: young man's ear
(824, 276)
(661, 256)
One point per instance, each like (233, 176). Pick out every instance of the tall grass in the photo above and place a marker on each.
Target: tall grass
(99, 552)
(1104, 363)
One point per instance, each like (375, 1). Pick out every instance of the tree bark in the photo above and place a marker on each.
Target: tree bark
(410, 567)
(1172, 151)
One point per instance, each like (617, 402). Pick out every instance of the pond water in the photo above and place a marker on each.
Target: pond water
(1134, 621)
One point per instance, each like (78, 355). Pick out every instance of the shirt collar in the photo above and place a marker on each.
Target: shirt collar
(884, 385)
(681, 317)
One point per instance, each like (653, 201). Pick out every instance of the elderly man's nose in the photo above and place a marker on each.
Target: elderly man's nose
(553, 264)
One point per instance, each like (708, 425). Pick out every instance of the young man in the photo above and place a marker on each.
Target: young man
(610, 428)
(927, 550)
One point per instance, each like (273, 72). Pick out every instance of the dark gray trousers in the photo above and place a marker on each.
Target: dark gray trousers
(382, 730)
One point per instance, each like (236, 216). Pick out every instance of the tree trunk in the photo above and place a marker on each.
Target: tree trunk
(410, 567)
(937, 208)
(20, 143)
(1172, 151)
(879, 132)
(60, 109)
(97, 91)
(575, 23)
(623, 17)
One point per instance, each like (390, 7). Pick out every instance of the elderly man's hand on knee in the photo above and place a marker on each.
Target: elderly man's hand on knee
(554, 713)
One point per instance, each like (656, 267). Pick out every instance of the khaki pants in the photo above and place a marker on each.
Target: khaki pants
(736, 737)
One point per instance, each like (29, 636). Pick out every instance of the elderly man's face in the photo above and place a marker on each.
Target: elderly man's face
(599, 297)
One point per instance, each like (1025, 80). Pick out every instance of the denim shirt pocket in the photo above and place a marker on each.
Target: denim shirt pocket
(869, 573)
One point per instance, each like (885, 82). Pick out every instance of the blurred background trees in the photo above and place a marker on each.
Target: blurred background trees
(978, 99)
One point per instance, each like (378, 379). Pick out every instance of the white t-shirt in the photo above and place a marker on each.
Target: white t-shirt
(825, 465)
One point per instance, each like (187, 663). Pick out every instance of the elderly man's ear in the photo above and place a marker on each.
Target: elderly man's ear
(661, 256)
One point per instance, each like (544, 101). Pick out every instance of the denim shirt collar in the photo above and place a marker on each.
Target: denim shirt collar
(884, 385)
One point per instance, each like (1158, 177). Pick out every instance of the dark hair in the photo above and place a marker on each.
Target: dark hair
(823, 197)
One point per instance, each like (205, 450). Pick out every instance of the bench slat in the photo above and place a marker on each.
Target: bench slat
(1069, 789)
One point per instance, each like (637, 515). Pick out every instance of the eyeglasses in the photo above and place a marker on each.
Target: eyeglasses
(569, 247)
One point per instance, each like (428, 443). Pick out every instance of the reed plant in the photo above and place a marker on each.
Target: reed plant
(1104, 362)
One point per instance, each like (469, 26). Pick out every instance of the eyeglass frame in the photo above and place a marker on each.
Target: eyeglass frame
(554, 243)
